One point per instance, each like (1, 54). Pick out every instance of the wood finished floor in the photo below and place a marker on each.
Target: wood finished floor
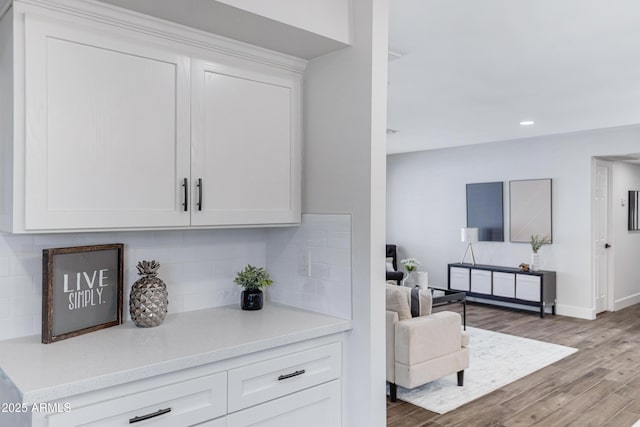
(597, 386)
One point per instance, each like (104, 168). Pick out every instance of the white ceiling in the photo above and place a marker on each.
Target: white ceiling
(471, 70)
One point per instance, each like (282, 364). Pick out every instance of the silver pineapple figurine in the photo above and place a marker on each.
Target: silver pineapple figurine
(149, 297)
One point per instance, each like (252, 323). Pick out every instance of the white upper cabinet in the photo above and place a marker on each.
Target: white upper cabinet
(108, 130)
(132, 123)
(245, 146)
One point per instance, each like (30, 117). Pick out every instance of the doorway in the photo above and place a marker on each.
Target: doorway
(602, 254)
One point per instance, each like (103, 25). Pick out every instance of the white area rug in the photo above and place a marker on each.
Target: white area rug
(495, 360)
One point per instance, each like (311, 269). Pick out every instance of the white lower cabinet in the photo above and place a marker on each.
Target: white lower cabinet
(315, 407)
(259, 382)
(295, 385)
(181, 404)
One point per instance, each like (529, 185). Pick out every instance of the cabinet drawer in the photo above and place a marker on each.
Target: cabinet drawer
(481, 281)
(504, 284)
(528, 287)
(257, 383)
(459, 278)
(190, 402)
(316, 407)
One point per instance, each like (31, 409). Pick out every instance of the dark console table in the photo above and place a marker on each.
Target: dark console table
(506, 284)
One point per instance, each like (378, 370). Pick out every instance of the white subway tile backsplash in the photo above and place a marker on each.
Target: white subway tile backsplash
(5, 266)
(339, 239)
(4, 307)
(21, 286)
(311, 264)
(42, 241)
(198, 267)
(319, 270)
(15, 245)
(316, 238)
(16, 326)
(87, 239)
(160, 254)
(26, 266)
(23, 306)
(136, 239)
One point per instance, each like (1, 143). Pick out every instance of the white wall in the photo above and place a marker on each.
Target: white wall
(344, 172)
(426, 204)
(329, 18)
(625, 243)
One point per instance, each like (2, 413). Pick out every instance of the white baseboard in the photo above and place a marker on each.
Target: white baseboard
(578, 312)
(561, 309)
(626, 302)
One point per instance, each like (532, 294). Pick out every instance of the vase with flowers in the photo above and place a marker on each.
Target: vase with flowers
(411, 265)
(536, 243)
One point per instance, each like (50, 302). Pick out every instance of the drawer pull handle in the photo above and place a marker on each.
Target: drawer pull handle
(294, 374)
(148, 416)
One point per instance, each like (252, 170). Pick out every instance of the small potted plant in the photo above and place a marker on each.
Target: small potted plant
(252, 279)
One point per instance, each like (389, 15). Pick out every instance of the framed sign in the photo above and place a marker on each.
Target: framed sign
(81, 290)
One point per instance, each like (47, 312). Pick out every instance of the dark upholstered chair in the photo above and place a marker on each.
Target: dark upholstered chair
(394, 275)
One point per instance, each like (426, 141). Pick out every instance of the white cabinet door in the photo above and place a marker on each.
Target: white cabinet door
(107, 138)
(481, 281)
(245, 146)
(504, 284)
(459, 279)
(315, 407)
(528, 287)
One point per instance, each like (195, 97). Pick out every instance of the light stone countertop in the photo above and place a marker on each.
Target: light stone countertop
(124, 353)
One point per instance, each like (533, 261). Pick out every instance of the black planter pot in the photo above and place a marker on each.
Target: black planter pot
(251, 299)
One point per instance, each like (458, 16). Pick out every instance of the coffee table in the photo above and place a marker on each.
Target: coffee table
(446, 296)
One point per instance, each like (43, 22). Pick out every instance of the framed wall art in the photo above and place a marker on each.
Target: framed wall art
(485, 210)
(82, 290)
(530, 209)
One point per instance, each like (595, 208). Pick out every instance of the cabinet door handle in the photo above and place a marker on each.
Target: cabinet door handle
(185, 184)
(291, 375)
(199, 185)
(148, 416)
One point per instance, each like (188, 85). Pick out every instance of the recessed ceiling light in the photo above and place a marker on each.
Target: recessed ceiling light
(527, 122)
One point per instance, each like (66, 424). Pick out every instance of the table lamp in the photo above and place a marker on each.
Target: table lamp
(469, 235)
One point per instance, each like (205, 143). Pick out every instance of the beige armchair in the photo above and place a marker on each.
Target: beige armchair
(424, 348)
